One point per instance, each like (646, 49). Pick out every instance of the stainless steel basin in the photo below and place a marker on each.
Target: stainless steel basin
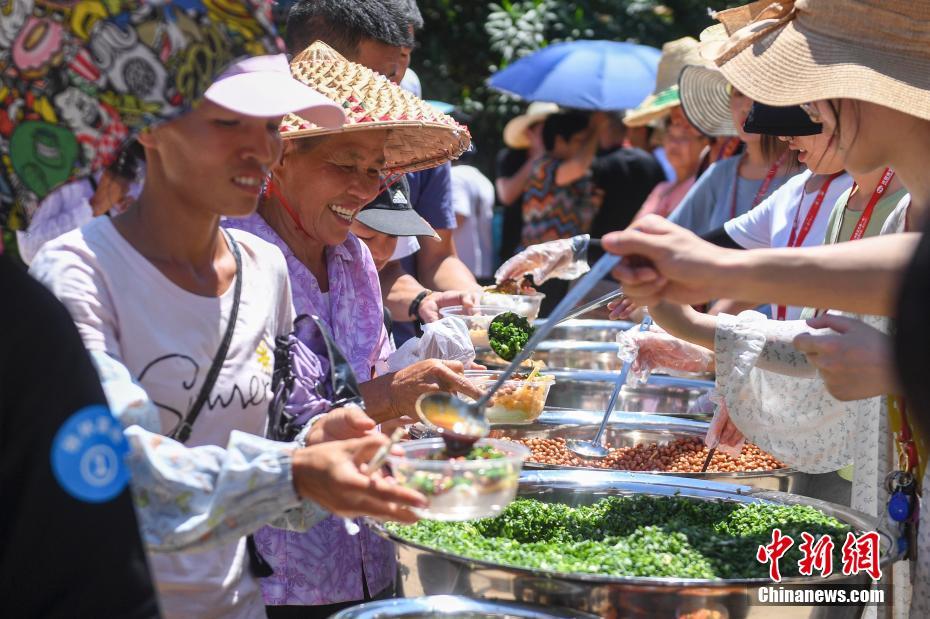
(591, 390)
(426, 571)
(630, 429)
(454, 607)
(589, 330)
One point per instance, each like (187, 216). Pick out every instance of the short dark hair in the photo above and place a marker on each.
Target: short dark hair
(564, 124)
(343, 24)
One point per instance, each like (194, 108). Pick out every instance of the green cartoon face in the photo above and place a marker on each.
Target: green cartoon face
(43, 155)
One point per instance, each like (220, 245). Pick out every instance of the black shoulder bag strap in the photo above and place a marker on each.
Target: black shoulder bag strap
(183, 432)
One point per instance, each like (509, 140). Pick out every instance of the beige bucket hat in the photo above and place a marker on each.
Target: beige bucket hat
(807, 50)
(515, 130)
(676, 55)
(419, 136)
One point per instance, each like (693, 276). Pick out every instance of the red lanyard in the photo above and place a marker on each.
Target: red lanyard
(763, 190)
(271, 189)
(863, 224)
(797, 238)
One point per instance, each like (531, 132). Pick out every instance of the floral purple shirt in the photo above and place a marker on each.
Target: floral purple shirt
(326, 565)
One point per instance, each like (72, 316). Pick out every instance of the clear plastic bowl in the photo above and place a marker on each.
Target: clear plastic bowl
(517, 401)
(523, 304)
(478, 318)
(459, 489)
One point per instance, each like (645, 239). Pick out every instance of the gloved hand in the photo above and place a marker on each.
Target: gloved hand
(723, 433)
(562, 259)
(657, 350)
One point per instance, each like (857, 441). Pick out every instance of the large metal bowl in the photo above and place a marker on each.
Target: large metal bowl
(426, 571)
(629, 430)
(583, 330)
(591, 391)
(454, 607)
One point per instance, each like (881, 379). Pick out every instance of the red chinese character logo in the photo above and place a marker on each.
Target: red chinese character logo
(861, 554)
(773, 552)
(817, 556)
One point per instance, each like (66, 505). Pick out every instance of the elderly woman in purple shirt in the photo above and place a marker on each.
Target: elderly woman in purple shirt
(323, 180)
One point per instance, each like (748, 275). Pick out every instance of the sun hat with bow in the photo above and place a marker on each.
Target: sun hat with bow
(419, 135)
(676, 55)
(807, 50)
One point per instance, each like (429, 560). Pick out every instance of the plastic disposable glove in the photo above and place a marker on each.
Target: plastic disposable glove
(723, 433)
(657, 350)
(562, 259)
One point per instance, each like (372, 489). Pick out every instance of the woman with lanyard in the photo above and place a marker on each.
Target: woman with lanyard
(882, 103)
(733, 186)
(797, 213)
(162, 294)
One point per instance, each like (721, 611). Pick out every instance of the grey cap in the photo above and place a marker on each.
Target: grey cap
(392, 213)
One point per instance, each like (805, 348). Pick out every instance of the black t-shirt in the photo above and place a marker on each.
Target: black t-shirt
(626, 177)
(912, 340)
(61, 555)
(509, 162)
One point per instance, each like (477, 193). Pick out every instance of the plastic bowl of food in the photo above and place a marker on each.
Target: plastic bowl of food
(476, 318)
(479, 485)
(518, 400)
(524, 304)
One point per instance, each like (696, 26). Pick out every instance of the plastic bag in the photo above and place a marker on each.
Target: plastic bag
(655, 349)
(562, 259)
(445, 339)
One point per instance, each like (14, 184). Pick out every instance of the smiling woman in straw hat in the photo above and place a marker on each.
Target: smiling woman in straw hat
(323, 180)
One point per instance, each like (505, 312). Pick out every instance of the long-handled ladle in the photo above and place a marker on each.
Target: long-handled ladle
(595, 448)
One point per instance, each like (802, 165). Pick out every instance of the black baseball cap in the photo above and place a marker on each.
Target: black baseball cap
(777, 121)
(392, 213)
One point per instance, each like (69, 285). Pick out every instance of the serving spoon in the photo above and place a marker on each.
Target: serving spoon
(595, 448)
(462, 423)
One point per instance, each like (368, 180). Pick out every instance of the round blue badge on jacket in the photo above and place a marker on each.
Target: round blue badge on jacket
(88, 455)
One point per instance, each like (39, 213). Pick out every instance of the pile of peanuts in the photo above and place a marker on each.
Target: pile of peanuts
(684, 455)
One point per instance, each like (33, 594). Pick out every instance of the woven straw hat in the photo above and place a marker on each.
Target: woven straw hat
(515, 130)
(809, 50)
(675, 56)
(705, 100)
(419, 136)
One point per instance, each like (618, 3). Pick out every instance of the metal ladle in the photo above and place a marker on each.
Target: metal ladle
(464, 421)
(595, 448)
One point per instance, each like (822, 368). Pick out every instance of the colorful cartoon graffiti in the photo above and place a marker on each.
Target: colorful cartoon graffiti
(78, 77)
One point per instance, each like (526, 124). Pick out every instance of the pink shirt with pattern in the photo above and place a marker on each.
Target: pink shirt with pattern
(326, 565)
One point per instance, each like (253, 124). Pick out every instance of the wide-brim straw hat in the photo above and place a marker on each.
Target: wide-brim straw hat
(655, 107)
(515, 131)
(676, 55)
(419, 135)
(705, 100)
(809, 50)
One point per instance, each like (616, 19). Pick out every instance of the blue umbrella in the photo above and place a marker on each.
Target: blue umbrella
(588, 75)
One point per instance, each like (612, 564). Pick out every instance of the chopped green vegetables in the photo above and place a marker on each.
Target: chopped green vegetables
(481, 452)
(508, 334)
(631, 536)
